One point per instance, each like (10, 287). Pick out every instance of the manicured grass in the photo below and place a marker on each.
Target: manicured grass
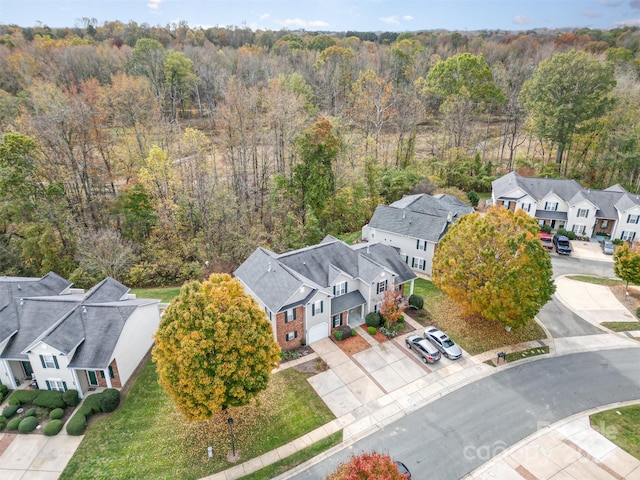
(520, 355)
(608, 282)
(621, 428)
(296, 459)
(148, 438)
(474, 334)
(349, 238)
(164, 294)
(622, 326)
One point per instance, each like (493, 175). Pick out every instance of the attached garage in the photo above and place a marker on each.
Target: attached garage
(318, 332)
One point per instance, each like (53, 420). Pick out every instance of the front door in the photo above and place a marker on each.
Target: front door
(93, 379)
(28, 371)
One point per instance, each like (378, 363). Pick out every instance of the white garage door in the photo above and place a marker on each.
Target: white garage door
(318, 332)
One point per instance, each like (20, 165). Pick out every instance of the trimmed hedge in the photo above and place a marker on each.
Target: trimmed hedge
(49, 399)
(371, 330)
(338, 335)
(372, 319)
(13, 424)
(10, 411)
(28, 424)
(2, 425)
(23, 396)
(416, 302)
(56, 414)
(77, 425)
(30, 413)
(53, 427)
(109, 400)
(71, 398)
(4, 389)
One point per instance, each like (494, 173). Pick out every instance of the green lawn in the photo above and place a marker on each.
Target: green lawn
(349, 238)
(296, 459)
(621, 428)
(608, 282)
(148, 438)
(475, 335)
(165, 294)
(622, 326)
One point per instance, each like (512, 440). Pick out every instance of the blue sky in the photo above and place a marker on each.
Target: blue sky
(332, 15)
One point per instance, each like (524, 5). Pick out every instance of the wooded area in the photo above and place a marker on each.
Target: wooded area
(157, 155)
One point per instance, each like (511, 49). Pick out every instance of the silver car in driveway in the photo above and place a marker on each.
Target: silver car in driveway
(607, 247)
(427, 352)
(443, 343)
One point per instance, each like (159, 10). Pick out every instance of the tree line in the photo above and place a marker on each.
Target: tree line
(159, 154)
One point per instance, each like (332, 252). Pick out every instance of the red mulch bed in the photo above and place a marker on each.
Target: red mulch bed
(352, 345)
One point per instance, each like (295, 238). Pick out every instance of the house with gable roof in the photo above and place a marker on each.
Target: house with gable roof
(61, 338)
(562, 203)
(414, 225)
(308, 293)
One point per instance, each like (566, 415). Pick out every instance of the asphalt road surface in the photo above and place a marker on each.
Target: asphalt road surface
(454, 435)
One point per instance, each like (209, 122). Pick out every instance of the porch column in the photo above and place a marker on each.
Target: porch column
(76, 382)
(107, 378)
(10, 375)
(411, 288)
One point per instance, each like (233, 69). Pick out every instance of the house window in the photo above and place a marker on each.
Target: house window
(628, 236)
(421, 245)
(340, 289)
(336, 320)
(583, 212)
(381, 287)
(526, 207)
(289, 315)
(59, 385)
(292, 336)
(579, 229)
(49, 361)
(317, 307)
(551, 206)
(111, 375)
(633, 218)
(604, 224)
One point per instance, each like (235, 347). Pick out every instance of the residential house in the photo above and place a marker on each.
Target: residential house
(61, 338)
(308, 293)
(562, 203)
(414, 225)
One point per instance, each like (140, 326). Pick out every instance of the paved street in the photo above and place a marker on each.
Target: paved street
(451, 436)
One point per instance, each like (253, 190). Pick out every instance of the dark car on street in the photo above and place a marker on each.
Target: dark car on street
(562, 244)
(427, 352)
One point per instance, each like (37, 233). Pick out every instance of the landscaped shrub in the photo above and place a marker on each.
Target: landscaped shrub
(23, 396)
(338, 335)
(30, 413)
(371, 330)
(109, 400)
(56, 414)
(77, 425)
(4, 389)
(49, 399)
(2, 425)
(10, 411)
(545, 228)
(353, 332)
(91, 405)
(12, 426)
(638, 312)
(28, 424)
(71, 398)
(372, 319)
(416, 302)
(52, 428)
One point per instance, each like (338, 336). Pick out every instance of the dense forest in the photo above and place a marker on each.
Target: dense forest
(160, 154)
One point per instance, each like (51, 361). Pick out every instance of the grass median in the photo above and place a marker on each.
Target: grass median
(148, 438)
(621, 426)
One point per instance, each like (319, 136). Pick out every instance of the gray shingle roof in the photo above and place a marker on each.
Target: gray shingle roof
(108, 290)
(409, 223)
(605, 200)
(551, 215)
(390, 258)
(538, 188)
(346, 302)
(22, 287)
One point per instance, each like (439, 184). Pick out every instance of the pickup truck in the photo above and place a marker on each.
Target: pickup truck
(546, 240)
(562, 244)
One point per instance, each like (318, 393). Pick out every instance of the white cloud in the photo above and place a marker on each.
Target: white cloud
(521, 20)
(591, 14)
(392, 20)
(299, 23)
(407, 18)
(610, 3)
(265, 16)
(154, 4)
(634, 22)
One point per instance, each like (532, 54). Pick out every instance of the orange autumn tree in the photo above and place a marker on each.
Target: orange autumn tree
(390, 310)
(494, 266)
(214, 348)
(368, 466)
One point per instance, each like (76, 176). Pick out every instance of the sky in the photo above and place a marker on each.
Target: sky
(331, 15)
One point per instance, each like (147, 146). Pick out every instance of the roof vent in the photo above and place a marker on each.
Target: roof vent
(368, 250)
(269, 267)
(84, 310)
(19, 287)
(21, 301)
(404, 214)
